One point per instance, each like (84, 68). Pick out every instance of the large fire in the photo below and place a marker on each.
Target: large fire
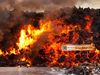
(50, 36)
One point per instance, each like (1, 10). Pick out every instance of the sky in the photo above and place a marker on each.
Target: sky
(88, 3)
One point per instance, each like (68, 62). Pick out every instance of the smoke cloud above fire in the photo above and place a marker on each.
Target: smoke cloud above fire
(36, 4)
(52, 6)
(32, 5)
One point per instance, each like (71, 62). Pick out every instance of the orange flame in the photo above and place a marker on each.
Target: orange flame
(25, 38)
(89, 23)
(29, 34)
(58, 33)
(1, 53)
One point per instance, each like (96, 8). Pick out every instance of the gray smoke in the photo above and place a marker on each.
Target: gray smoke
(36, 4)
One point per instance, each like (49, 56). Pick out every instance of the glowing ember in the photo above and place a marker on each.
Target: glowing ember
(89, 23)
(23, 59)
(27, 60)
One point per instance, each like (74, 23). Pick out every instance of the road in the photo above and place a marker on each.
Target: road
(27, 71)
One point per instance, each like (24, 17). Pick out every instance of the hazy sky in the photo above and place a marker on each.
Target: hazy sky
(88, 3)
